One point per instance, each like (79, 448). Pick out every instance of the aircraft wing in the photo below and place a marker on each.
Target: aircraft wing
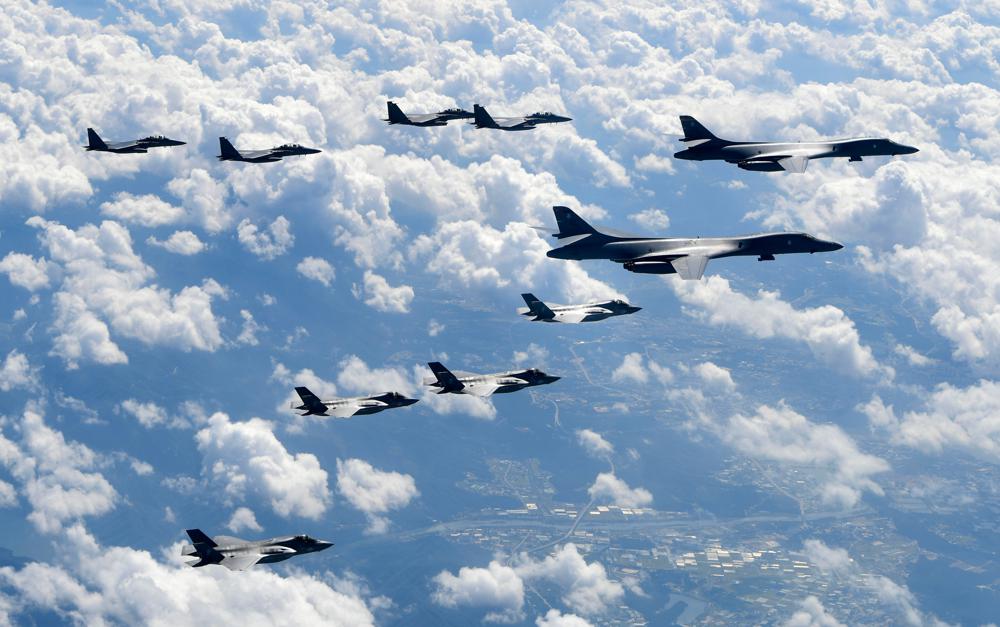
(573, 317)
(242, 561)
(787, 161)
(690, 267)
(483, 389)
(122, 145)
(421, 118)
(513, 123)
(229, 541)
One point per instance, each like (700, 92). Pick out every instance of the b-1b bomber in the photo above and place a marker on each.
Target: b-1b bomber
(701, 145)
(458, 382)
(685, 256)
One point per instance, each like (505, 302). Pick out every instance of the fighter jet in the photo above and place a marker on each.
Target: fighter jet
(573, 314)
(136, 146)
(236, 554)
(262, 156)
(702, 145)
(687, 256)
(527, 123)
(484, 384)
(347, 407)
(441, 118)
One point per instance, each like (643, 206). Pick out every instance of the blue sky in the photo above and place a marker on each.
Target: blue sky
(157, 309)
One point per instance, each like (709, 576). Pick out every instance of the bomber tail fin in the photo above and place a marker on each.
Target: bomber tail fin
(94, 141)
(570, 224)
(396, 115)
(447, 381)
(695, 130)
(537, 308)
(482, 117)
(227, 151)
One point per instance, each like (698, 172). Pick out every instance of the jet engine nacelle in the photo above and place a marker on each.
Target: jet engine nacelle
(760, 166)
(650, 267)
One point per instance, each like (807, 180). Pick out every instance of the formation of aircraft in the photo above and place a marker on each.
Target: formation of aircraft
(441, 118)
(237, 554)
(572, 314)
(447, 382)
(347, 407)
(270, 155)
(142, 145)
(701, 145)
(578, 240)
(685, 256)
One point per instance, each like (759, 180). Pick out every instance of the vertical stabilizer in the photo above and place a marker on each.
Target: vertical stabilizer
(447, 381)
(570, 224)
(483, 118)
(227, 151)
(695, 130)
(94, 141)
(537, 308)
(396, 115)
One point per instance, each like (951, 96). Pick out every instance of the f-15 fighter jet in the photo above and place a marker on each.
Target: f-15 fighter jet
(347, 407)
(236, 554)
(136, 146)
(527, 123)
(441, 118)
(460, 382)
(686, 256)
(572, 314)
(702, 145)
(229, 153)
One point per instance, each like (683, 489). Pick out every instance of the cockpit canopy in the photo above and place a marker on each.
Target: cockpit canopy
(304, 538)
(542, 114)
(290, 146)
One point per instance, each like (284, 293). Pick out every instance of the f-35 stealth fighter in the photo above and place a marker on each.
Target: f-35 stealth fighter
(573, 314)
(460, 382)
(441, 118)
(685, 256)
(229, 153)
(702, 145)
(137, 146)
(236, 554)
(527, 123)
(347, 407)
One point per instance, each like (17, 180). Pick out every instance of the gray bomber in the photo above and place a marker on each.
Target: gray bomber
(572, 314)
(702, 145)
(482, 119)
(441, 118)
(229, 153)
(347, 407)
(136, 146)
(685, 256)
(460, 382)
(237, 554)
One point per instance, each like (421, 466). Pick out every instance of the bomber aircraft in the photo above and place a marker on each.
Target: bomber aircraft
(572, 314)
(236, 554)
(229, 153)
(347, 407)
(136, 146)
(686, 256)
(701, 145)
(441, 118)
(527, 123)
(460, 382)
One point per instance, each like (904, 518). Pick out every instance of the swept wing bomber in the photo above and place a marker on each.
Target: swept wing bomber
(572, 314)
(527, 123)
(458, 382)
(441, 118)
(229, 153)
(237, 554)
(136, 146)
(701, 145)
(685, 256)
(347, 407)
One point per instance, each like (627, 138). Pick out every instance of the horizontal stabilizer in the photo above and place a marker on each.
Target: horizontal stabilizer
(691, 267)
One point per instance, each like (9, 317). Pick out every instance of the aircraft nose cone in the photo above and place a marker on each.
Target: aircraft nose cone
(409, 401)
(634, 309)
(552, 379)
(835, 246)
(322, 545)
